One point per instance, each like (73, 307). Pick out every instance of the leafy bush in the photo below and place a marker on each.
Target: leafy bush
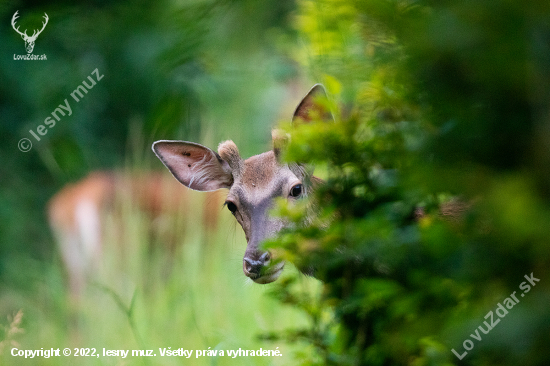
(434, 214)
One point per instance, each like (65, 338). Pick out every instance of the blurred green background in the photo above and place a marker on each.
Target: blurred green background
(435, 103)
(203, 71)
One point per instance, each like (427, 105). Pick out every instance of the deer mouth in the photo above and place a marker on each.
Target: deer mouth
(271, 274)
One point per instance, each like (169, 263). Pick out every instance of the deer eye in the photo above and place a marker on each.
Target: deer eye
(296, 191)
(231, 206)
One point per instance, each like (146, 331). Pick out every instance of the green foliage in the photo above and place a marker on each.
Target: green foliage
(436, 200)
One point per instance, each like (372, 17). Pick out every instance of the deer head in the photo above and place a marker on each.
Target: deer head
(29, 41)
(253, 184)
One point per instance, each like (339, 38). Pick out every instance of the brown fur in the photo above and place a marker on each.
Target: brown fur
(259, 170)
(78, 214)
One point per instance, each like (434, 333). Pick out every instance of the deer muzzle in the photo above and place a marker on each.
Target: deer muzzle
(259, 267)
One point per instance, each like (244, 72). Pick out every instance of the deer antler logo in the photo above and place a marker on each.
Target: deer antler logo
(29, 41)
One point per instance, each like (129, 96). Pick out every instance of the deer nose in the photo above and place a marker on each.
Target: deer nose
(252, 268)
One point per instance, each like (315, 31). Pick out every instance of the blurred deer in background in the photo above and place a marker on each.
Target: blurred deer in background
(80, 213)
(253, 183)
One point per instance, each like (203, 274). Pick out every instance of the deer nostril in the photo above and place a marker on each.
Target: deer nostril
(248, 264)
(251, 267)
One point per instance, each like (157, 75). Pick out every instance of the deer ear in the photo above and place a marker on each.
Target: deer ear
(195, 166)
(313, 107)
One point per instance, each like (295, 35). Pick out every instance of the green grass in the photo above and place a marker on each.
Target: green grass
(144, 296)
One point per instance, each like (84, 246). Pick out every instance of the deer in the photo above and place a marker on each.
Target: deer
(80, 212)
(252, 184)
(29, 41)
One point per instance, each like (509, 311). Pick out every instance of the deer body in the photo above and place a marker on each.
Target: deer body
(78, 214)
(253, 185)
